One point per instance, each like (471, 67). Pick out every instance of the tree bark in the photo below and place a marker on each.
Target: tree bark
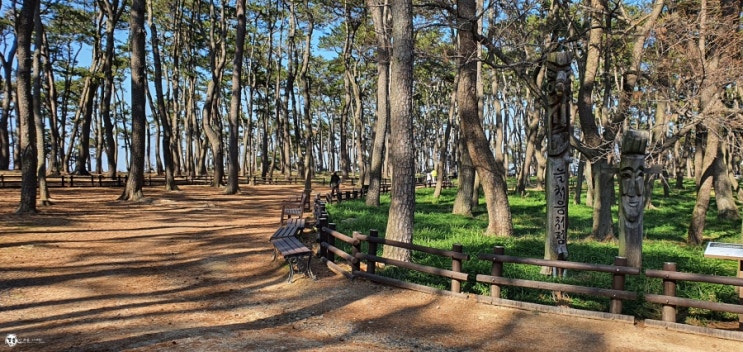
(7, 65)
(378, 10)
(307, 112)
(441, 170)
(52, 97)
(38, 117)
(402, 206)
(212, 121)
(234, 120)
(705, 185)
(602, 228)
(724, 197)
(491, 173)
(113, 13)
(135, 179)
(162, 111)
(466, 188)
(24, 26)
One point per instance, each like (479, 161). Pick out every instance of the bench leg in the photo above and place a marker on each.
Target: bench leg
(308, 268)
(292, 262)
(301, 265)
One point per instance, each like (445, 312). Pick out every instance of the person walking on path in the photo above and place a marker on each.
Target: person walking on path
(335, 183)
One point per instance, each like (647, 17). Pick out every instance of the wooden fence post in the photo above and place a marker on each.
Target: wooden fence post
(356, 248)
(331, 241)
(617, 284)
(371, 266)
(669, 289)
(496, 270)
(62, 180)
(456, 266)
(322, 223)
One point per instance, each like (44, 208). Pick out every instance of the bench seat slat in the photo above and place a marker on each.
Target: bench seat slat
(290, 246)
(291, 229)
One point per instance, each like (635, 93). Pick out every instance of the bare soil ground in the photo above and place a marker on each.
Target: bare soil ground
(192, 271)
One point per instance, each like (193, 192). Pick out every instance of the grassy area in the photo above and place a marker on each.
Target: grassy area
(665, 241)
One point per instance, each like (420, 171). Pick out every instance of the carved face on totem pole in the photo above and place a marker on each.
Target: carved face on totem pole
(632, 187)
(632, 176)
(558, 90)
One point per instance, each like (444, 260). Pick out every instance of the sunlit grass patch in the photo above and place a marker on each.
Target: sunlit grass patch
(665, 225)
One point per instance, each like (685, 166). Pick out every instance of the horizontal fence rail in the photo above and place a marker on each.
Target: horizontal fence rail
(670, 301)
(617, 293)
(99, 180)
(328, 250)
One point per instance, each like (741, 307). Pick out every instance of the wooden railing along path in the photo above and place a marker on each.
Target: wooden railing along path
(363, 263)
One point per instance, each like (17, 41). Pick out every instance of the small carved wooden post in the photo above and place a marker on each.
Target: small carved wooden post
(632, 190)
(558, 155)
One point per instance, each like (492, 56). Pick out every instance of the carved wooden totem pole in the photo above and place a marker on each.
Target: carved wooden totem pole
(558, 154)
(632, 189)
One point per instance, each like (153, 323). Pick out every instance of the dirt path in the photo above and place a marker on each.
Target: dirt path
(192, 271)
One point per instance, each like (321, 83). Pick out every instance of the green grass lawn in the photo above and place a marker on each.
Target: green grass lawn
(665, 241)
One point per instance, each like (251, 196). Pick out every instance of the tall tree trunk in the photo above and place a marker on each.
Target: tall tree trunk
(24, 26)
(295, 156)
(234, 119)
(358, 120)
(212, 120)
(307, 113)
(466, 189)
(283, 135)
(724, 198)
(491, 173)
(85, 120)
(52, 98)
(98, 142)
(135, 180)
(705, 184)
(533, 143)
(38, 117)
(602, 228)
(351, 25)
(113, 13)
(713, 17)
(162, 111)
(440, 168)
(402, 206)
(378, 10)
(7, 64)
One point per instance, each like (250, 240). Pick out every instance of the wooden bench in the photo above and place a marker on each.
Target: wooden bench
(286, 243)
(294, 208)
(292, 228)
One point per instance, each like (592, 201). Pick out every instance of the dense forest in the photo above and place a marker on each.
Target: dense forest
(376, 89)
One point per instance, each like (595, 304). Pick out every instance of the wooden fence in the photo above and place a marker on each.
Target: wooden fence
(364, 263)
(670, 301)
(617, 293)
(98, 180)
(328, 252)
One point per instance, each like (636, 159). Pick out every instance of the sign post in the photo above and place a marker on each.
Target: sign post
(732, 251)
(557, 122)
